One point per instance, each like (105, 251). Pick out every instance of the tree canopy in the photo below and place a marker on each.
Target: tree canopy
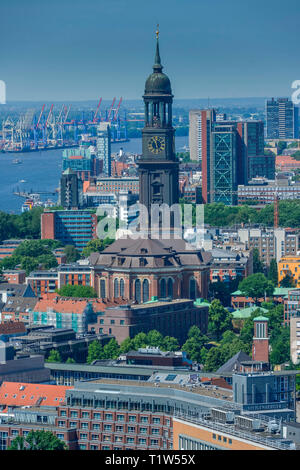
(256, 286)
(38, 440)
(31, 255)
(77, 291)
(219, 319)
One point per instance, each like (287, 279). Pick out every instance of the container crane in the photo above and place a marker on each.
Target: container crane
(117, 110)
(110, 109)
(96, 112)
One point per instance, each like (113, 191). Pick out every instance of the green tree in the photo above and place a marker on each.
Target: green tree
(71, 253)
(139, 341)
(77, 291)
(194, 332)
(256, 286)
(195, 345)
(32, 248)
(111, 350)
(154, 338)
(194, 348)
(214, 359)
(95, 352)
(287, 281)
(29, 264)
(54, 356)
(126, 346)
(280, 347)
(273, 272)
(38, 440)
(258, 266)
(281, 146)
(47, 261)
(96, 245)
(170, 344)
(219, 319)
(70, 360)
(10, 262)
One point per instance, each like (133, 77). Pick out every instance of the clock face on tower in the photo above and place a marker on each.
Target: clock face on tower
(156, 144)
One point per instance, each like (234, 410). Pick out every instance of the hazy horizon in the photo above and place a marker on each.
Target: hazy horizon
(69, 50)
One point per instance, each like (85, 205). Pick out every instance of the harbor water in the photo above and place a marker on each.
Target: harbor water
(41, 171)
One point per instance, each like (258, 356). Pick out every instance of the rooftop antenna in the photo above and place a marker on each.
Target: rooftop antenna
(208, 103)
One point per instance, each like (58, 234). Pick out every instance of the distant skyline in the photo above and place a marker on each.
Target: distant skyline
(69, 50)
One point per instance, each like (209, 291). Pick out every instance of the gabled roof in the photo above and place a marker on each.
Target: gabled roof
(26, 394)
(234, 363)
(21, 290)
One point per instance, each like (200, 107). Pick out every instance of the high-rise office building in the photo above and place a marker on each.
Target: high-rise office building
(82, 161)
(281, 119)
(227, 151)
(71, 227)
(199, 123)
(70, 190)
(104, 146)
(223, 163)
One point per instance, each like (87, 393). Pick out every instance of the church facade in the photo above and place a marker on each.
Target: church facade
(146, 268)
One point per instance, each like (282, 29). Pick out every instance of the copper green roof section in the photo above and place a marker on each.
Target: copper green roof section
(237, 292)
(201, 302)
(260, 318)
(247, 312)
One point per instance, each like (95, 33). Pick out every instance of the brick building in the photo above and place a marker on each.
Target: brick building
(71, 227)
(109, 414)
(140, 270)
(7, 247)
(14, 276)
(170, 318)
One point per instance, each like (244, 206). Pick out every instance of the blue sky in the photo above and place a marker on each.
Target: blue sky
(80, 50)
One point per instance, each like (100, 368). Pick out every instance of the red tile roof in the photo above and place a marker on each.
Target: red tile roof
(24, 394)
(12, 327)
(74, 304)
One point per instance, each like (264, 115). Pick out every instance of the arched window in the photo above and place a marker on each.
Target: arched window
(145, 290)
(122, 288)
(193, 288)
(102, 289)
(170, 287)
(137, 291)
(116, 288)
(163, 289)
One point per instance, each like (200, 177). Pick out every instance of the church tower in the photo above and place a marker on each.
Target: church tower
(158, 167)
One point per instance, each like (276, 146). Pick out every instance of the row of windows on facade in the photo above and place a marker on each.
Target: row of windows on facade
(141, 289)
(109, 417)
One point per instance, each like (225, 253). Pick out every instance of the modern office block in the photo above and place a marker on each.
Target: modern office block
(104, 146)
(282, 119)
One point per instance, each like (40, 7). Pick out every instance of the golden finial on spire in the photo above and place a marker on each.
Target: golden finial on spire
(157, 31)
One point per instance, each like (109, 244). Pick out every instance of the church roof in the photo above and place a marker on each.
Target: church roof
(158, 82)
(126, 253)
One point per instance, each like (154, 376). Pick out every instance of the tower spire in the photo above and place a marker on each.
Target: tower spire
(157, 67)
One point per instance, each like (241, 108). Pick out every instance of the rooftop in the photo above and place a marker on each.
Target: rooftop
(26, 394)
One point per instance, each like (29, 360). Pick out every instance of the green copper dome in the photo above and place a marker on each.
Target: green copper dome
(158, 82)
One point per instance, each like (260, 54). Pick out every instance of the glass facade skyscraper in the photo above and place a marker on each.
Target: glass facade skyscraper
(281, 119)
(104, 146)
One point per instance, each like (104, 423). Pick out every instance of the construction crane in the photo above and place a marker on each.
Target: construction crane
(96, 112)
(40, 117)
(117, 110)
(110, 110)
